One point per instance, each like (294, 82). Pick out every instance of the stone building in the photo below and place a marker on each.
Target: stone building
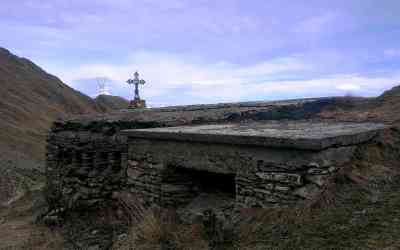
(257, 154)
(260, 164)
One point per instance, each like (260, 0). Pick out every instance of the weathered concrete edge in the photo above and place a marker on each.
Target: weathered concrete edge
(314, 144)
(249, 104)
(129, 115)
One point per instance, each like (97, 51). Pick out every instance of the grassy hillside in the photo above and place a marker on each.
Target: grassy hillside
(385, 108)
(111, 102)
(30, 100)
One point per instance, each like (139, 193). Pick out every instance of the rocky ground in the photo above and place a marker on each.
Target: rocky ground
(18, 226)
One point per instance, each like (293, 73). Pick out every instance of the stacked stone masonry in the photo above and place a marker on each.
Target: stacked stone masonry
(84, 169)
(265, 175)
(89, 159)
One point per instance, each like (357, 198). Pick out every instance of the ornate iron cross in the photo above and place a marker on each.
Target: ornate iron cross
(136, 82)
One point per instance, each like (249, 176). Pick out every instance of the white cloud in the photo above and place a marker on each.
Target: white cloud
(165, 71)
(183, 77)
(349, 87)
(332, 84)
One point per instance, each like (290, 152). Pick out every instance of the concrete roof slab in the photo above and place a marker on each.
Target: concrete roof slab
(294, 134)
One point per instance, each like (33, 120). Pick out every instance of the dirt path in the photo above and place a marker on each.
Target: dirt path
(18, 230)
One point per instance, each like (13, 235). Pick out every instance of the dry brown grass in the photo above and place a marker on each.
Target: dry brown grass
(42, 238)
(162, 228)
(156, 229)
(30, 101)
(257, 219)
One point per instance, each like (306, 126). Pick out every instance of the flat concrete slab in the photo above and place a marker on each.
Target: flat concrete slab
(294, 134)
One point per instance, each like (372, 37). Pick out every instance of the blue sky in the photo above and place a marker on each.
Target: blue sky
(208, 51)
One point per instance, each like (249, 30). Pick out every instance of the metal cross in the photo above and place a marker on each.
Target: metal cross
(136, 82)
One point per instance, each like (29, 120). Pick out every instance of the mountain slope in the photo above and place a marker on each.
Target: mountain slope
(390, 94)
(389, 105)
(111, 102)
(384, 108)
(30, 100)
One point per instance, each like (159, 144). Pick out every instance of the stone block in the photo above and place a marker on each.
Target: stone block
(133, 173)
(317, 171)
(263, 191)
(282, 188)
(319, 180)
(308, 192)
(133, 163)
(291, 179)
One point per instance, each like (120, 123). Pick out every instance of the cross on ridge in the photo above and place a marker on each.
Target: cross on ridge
(136, 81)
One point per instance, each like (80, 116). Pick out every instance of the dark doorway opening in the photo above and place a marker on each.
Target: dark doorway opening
(181, 185)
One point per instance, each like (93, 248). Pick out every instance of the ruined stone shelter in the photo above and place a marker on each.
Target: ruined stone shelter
(256, 154)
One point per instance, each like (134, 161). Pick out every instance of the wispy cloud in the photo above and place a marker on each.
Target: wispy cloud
(188, 78)
(210, 51)
(165, 72)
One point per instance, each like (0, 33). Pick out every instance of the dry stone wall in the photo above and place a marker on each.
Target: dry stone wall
(83, 168)
(264, 177)
(87, 157)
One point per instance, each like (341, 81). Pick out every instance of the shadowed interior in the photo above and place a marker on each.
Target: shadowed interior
(181, 185)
